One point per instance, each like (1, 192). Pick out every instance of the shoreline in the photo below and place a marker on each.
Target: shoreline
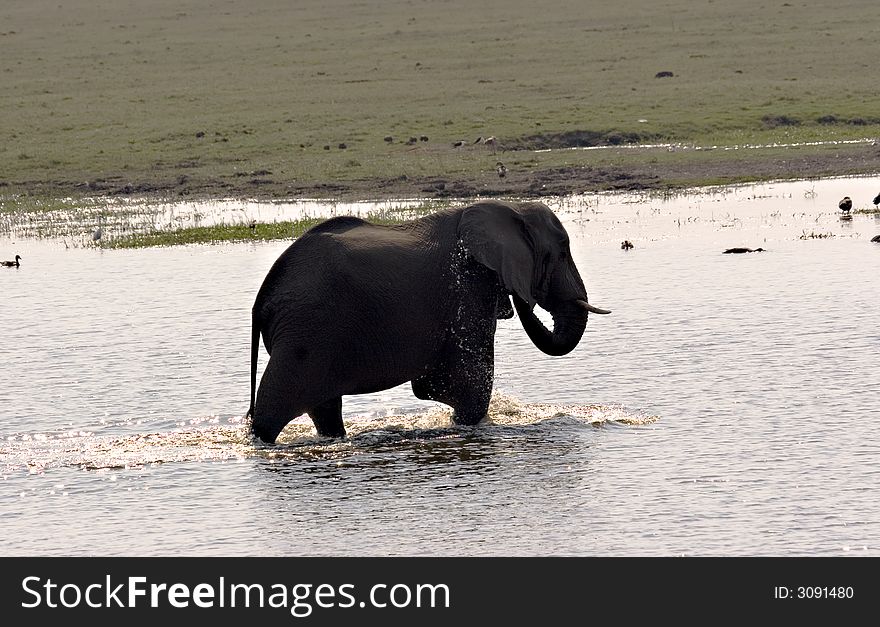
(634, 168)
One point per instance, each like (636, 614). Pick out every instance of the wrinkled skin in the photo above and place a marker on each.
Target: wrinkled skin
(354, 308)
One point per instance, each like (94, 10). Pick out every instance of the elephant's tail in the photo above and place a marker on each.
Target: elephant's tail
(255, 353)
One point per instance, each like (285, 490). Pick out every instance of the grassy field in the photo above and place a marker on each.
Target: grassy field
(281, 98)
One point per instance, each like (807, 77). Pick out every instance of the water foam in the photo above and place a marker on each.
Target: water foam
(230, 440)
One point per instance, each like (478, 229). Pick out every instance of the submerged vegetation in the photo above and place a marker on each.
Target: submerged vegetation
(815, 235)
(96, 223)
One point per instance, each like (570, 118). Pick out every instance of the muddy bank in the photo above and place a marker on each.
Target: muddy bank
(638, 169)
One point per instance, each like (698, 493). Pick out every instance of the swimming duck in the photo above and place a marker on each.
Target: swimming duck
(876, 200)
(845, 204)
(876, 238)
(11, 264)
(743, 250)
(626, 244)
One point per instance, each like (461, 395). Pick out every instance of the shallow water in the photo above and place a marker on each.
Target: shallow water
(725, 407)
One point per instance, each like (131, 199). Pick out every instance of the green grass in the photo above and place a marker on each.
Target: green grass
(287, 229)
(214, 234)
(147, 93)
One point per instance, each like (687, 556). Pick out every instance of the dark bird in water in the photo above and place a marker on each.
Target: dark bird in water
(877, 200)
(626, 244)
(743, 250)
(11, 264)
(845, 204)
(501, 169)
(876, 238)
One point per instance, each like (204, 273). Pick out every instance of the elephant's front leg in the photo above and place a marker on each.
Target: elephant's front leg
(464, 375)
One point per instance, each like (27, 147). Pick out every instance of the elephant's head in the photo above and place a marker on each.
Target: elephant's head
(528, 248)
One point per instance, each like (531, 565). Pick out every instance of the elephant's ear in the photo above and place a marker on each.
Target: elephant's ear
(495, 235)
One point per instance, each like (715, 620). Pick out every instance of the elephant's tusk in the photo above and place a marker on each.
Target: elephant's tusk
(590, 308)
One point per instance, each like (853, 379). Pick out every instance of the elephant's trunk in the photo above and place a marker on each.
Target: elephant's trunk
(569, 323)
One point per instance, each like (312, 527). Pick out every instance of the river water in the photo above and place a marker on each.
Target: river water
(726, 407)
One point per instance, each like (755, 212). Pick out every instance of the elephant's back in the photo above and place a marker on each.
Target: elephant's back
(347, 265)
(372, 293)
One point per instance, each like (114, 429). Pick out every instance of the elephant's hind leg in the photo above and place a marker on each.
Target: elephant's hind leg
(278, 402)
(328, 418)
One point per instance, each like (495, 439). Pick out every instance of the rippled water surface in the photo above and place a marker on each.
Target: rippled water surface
(727, 406)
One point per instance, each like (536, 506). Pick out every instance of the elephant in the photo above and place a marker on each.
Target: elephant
(352, 307)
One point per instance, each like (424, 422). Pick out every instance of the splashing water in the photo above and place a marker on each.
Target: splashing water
(231, 441)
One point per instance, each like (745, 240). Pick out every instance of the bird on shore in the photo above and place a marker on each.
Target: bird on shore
(743, 250)
(98, 233)
(626, 245)
(845, 204)
(253, 227)
(501, 169)
(488, 141)
(11, 264)
(459, 143)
